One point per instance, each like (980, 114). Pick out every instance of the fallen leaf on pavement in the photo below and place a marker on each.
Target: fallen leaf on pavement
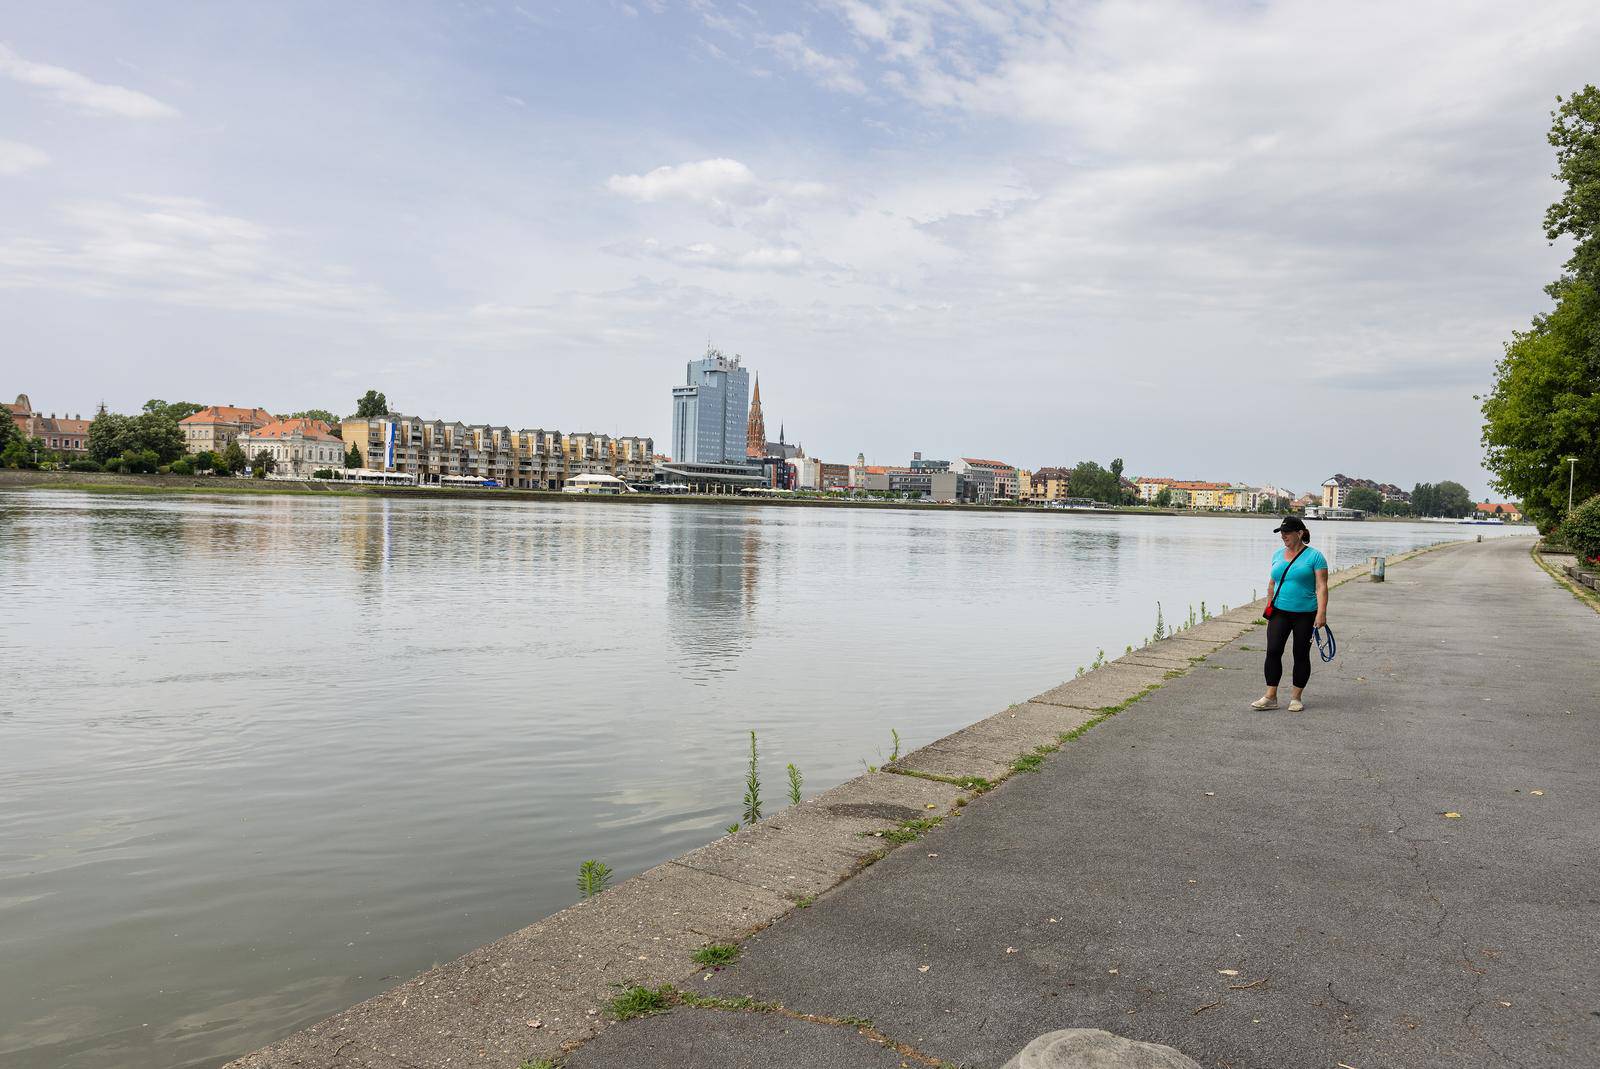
(1536, 792)
(1229, 972)
(924, 968)
(1452, 815)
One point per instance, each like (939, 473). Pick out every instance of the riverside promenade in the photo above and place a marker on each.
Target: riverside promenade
(1405, 874)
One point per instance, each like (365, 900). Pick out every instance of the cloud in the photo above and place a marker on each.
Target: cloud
(831, 72)
(760, 257)
(15, 157)
(81, 93)
(729, 191)
(176, 250)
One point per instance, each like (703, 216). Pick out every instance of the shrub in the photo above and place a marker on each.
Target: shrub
(322, 473)
(83, 464)
(182, 466)
(1581, 530)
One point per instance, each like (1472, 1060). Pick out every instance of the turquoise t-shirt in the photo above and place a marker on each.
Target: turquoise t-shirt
(1299, 592)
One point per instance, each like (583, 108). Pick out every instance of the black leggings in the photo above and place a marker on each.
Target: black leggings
(1279, 626)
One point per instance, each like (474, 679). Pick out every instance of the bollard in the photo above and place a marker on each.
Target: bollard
(1377, 569)
(1480, 538)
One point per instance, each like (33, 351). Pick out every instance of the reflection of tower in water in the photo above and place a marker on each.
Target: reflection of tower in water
(713, 574)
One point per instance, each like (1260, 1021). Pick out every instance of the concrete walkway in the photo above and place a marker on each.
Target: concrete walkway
(1405, 874)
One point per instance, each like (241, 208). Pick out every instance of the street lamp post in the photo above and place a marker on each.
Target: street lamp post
(1572, 467)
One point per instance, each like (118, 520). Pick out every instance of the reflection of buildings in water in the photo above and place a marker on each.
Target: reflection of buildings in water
(713, 575)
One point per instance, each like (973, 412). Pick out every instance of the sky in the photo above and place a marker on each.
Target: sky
(1257, 242)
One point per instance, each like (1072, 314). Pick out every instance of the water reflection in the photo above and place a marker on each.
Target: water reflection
(714, 572)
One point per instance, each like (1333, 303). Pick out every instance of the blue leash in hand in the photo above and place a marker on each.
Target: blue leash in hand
(1325, 648)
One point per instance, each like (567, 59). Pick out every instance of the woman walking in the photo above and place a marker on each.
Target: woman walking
(1297, 603)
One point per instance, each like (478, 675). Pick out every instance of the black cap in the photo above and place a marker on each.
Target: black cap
(1290, 523)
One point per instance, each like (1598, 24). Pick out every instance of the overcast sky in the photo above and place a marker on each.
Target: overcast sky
(1236, 241)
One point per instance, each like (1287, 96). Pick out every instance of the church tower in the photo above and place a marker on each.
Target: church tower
(756, 435)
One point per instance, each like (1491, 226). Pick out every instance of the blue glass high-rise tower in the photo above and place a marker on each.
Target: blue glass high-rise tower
(710, 411)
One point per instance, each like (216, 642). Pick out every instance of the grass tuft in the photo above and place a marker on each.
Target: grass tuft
(642, 1002)
(716, 955)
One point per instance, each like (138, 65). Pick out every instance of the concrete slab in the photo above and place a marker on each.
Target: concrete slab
(732, 1040)
(1152, 657)
(988, 747)
(1108, 686)
(806, 849)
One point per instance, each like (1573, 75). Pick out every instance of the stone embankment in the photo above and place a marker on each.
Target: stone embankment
(545, 991)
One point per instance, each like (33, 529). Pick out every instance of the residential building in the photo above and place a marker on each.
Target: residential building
(298, 447)
(1505, 510)
(919, 464)
(807, 473)
(710, 416)
(1002, 476)
(211, 429)
(1202, 495)
(532, 459)
(59, 434)
(1337, 488)
(1047, 484)
(835, 476)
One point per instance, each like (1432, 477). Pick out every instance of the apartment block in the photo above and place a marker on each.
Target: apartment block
(532, 458)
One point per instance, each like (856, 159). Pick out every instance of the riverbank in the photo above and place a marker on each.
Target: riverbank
(547, 989)
(111, 483)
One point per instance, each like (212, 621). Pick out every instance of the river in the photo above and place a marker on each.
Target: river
(262, 757)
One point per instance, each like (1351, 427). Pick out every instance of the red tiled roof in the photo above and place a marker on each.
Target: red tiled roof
(989, 463)
(1488, 507)
(255, 417)
(314, 429)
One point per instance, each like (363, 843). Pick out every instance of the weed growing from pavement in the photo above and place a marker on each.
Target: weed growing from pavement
(804, 901)
(976, 784)
(910, 831)
(538, 1063)
(1030, 762)
(593, 877)
(752, 786)
(795, 779)
(896, 755)
(641, 1002)
(716, 955)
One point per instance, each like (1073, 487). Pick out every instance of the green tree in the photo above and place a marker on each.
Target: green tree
(1544, 405)
(9, 431)
(135, 462)
(262, 464)
(372, 403)
(19, 453)
(177, 411)
(111, 435)
(1088, 479)
(352, 459)
(233, 459)
(317, 413)
(1454, 501)
(205, 460)
(1575, 135)
(1164, 497)
(1396, 508)
(1364, 498)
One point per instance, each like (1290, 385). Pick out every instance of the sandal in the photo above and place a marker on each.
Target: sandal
(1264, 703)
(1296, 705)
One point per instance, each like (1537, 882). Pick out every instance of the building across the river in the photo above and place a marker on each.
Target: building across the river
(59, 433)
(532, 458)
(213, 427)
(298, 447)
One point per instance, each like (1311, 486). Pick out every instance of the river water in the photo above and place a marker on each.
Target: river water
(261, 758)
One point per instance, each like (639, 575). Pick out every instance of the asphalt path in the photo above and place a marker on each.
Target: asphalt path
(1405, 874)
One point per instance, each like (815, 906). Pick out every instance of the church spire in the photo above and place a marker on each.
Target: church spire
(756, 433)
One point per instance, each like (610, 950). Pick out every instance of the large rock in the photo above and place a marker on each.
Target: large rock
(1090, 1048)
